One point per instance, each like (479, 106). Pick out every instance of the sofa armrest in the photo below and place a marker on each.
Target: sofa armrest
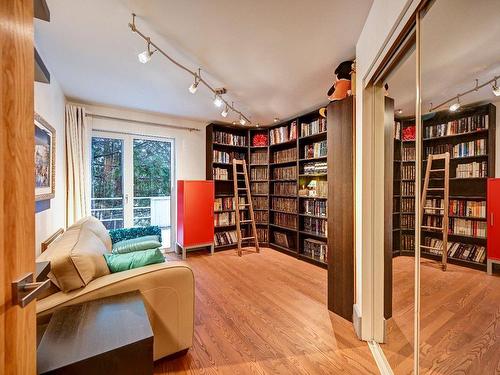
(121, 234)
(168, 292)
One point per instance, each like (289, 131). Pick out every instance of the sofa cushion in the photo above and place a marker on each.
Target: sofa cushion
(136, 259)
(76, 257)
(136, 244)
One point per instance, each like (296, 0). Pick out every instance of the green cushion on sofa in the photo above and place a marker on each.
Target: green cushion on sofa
(136, 244)
(136, 259)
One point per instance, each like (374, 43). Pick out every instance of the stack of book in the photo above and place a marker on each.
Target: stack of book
(316, 249)
(226, 203)
(285, 173)
(407, 188)
(438, 149)
(460, 126)
(259, 157)
(407, 205)
(467, 208)
(259, 188)
(258, 173)
(283, 133)
(316, 226)
(224, 219)
(261, 217)
(285, 156)
(471, 170)
(466, 227)
(262, 235)
(408, 172)
(229, 139)
(471, 252)
(284, 204)
(315, 168)
(225, 238)
(260, 203)
(315, 127)
(407, 242)
(315, 150)
(408, 153)
(314, 208)
(407, 221)
(227, 157)
(285, 220)
(472, 148)
(285, 188)
(221, 174)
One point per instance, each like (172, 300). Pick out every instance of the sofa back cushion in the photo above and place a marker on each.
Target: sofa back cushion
(76, 258)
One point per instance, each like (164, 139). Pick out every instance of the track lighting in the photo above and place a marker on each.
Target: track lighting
(145, 56)
(242, 120)
(496, 89)
(225, 111)
(276, 120)
(455, 106)
(217, 101)
(399, 111)
(194, 86)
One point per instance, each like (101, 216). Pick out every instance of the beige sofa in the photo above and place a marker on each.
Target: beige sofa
(78, 275)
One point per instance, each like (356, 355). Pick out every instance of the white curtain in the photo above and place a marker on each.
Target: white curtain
(77, 162)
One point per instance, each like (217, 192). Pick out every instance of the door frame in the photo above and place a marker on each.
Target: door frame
(128, 174)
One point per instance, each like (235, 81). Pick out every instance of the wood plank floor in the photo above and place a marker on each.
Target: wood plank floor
(266, 314)
(460, 320)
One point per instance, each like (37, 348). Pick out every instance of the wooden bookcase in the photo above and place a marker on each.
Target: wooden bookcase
(462, 189)
(287, 219)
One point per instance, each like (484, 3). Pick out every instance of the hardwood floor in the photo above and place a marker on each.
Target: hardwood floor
(460, 320)
(266, 314)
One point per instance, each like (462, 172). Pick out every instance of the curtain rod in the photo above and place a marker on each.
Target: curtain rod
(104, 117)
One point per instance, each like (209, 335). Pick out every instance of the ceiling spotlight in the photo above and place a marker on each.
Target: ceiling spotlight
(217, 101)
(399, 111)
(276, 120)
(225, 111)
(234, 122)
(242, 120)
(194, 86)
(496, 89)
(145, 56)
(455, 106)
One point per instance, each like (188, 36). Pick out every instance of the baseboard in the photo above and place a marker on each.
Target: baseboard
(356, 320)
(380, 359)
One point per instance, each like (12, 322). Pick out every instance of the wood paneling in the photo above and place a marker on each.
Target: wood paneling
(17, 207)
(341, 207)
(460, 330)
(266, 314)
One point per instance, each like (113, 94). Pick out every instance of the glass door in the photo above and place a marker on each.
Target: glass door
(132, 182)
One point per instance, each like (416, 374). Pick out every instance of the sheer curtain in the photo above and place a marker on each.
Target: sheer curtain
(77, 161)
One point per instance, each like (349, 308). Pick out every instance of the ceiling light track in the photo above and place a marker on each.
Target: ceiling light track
(456, 99)
(196, 75)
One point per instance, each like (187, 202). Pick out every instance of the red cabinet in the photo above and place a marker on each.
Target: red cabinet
(195, 214)
(493, 231)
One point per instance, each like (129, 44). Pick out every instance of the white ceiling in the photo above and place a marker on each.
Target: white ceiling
(276, 58)
(460, 42)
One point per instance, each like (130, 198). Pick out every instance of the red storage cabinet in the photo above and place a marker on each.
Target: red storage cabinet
(195, 215)
(493, 231)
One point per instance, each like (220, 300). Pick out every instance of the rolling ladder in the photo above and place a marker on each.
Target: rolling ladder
(444, 210)
(249, 204)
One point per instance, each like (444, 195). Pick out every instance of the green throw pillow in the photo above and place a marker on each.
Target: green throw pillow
(128, 261)
(136, 244)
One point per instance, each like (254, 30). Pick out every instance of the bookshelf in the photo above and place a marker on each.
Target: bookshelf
(469, 136)
(290, 163)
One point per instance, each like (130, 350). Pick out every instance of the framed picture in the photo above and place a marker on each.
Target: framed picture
(45, 159)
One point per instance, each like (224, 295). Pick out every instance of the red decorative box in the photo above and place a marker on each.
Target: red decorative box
(259, 140)
(409, 133)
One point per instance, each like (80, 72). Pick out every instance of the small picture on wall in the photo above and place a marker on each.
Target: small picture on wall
(45, 154)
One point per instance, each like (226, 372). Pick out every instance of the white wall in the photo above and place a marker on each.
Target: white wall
(49, 103)
(383, 19)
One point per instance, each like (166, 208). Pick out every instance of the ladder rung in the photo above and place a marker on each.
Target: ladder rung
(437, 170)
(244, 204)
(240, 172)
(434, 208)
(428, 227)
(435, 189)
(245, 221)
(431, 248)
(248, 238)
(242, 188)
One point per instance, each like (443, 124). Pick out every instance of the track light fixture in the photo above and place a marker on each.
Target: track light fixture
(455, 106)
(496, 89)
(275, 120)
(145, 56)
(242, 120)
(225, 111)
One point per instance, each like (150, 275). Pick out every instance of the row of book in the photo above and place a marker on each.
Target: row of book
(285, 173)
(224, 218)
(460, 126)
(259, 188)
(315, 249)
(229, 139)
(283, 133)
(314, 207)
(315, 188)
(407, 242)
(432, 221)
(261, 217)
(408, 153)
(260, 203)
(258, 173)
(397, 130)
(407, 221)
(466, 227)
(470, 252)
(467, 208)
(227, 157)
(285, 188)
(221, 173)
(285, 220)
(316, 226)
(472, 148)
(285, 156)
(471, 170)
(407, 188)
(407, 205)
(407, 172)
(434, 202)
(315, 127)
(437, 149)
(284, 204)
(263, 235)
(315, 150)
(259, 157)
(315, 168)
(226, 203)
(225, 238)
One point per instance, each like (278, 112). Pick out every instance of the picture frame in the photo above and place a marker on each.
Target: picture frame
(45, 159)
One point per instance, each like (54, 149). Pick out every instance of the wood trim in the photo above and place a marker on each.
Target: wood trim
(341, 215)
(45, 244)
(41, 72)
(17, 184)
(41, 10)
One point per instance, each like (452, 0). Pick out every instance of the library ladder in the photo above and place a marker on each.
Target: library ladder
(240, 207)
(444, 209)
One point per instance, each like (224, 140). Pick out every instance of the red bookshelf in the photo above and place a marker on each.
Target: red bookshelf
(493, 217)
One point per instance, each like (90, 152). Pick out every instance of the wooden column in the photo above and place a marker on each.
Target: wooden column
(341, 275)
(17, 192)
